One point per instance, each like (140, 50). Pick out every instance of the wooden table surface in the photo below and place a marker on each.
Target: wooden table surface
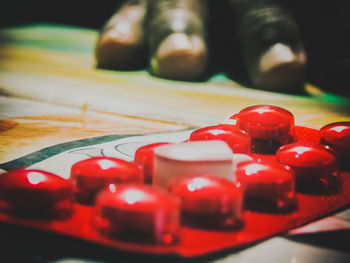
(51, 93)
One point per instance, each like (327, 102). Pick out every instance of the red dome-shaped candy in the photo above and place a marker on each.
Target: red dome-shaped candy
(337, 136)
(144, 157)
(269, 126)
(238, 140)
(305, 155)
(269, 185)
(91, 175)
(265, 121)
(209, 201)
(138, 213)
(309, 161)
(34, 189)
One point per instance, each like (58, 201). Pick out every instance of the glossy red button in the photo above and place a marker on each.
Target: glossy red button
(269, 185)
(269, 126)
(265, 121)
(144, 157)
(314, 165)
(238, 140)
(34, 190)
(209, 201)
(337, 136)
(91, 175)
(138, 213)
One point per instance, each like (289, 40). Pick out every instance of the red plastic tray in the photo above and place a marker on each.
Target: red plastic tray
(197, 242)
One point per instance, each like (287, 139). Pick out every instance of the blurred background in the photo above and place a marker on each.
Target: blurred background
(324, 26)
(90, 14)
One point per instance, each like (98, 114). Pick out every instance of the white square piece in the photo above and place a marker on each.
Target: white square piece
(192, 158)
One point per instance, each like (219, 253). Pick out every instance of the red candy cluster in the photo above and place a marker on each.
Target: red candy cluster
(213, 193)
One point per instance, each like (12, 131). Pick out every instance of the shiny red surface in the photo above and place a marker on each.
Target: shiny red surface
(337, 136)
(307, 156)
(267, 179)
(197, 242)
(309, 160)
(91, 175)
(137, 197)
(211, 197)
(264, 172)
(33, 188)
(138, 213)
(238, 140)
(144, 157)
(315, 166)
(265, 121)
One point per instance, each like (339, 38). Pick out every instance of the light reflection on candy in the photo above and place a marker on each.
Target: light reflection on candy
(239, 158)
(134, 195)
(36, 178)
(197, 184)
(254, 168)
(106, 164)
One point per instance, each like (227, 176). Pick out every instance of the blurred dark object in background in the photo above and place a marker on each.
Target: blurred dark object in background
(325, 30)
(92, 14)
(324, 27)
